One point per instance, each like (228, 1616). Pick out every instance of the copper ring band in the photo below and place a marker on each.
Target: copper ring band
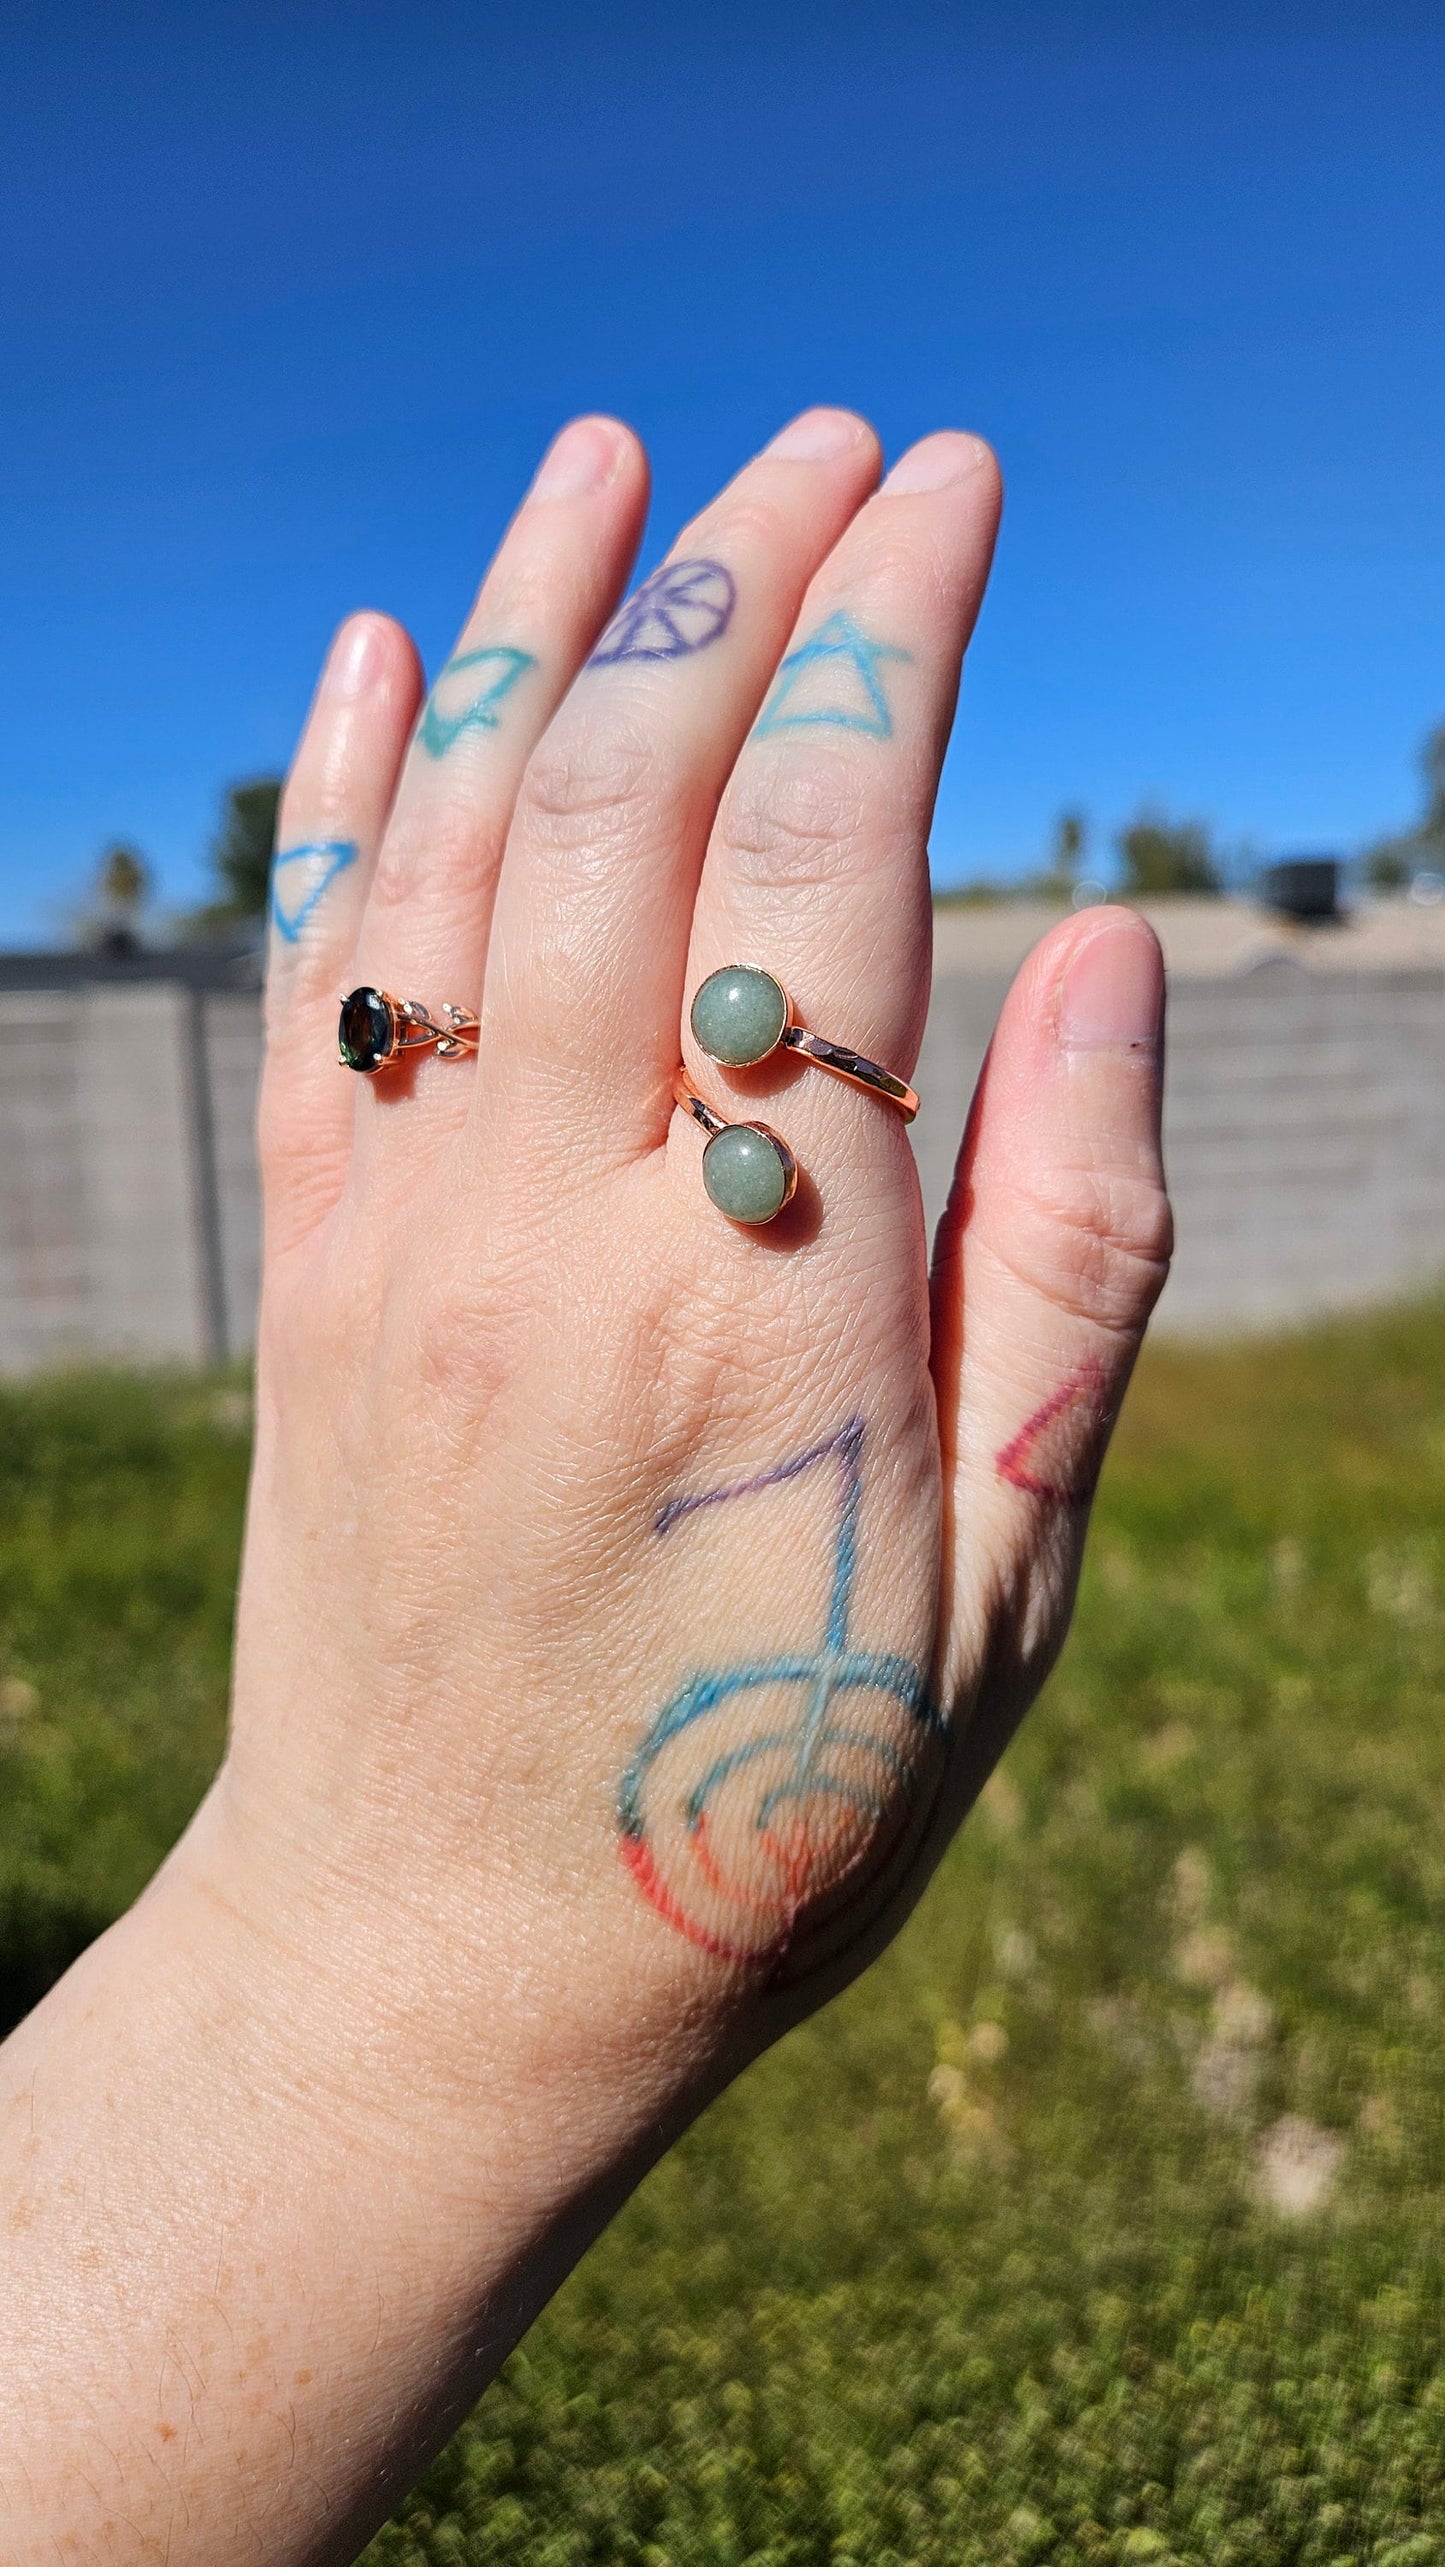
(853, 1066)
(696, 1106)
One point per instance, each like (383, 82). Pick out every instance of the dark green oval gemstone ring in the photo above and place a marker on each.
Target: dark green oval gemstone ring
(377, 1030)
(749, 1172)
(742, 1015)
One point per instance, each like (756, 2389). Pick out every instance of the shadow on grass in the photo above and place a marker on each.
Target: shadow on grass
(37, 1948)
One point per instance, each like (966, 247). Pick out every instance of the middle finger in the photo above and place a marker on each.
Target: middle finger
(584, 974)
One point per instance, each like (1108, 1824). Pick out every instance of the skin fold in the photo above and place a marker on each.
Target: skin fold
(632, 1601)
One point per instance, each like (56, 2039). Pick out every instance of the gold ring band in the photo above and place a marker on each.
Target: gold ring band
(742, 1015)
(747, 1168)
(376, 1031)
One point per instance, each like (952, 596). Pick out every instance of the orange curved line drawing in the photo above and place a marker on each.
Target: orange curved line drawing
(645, 1873)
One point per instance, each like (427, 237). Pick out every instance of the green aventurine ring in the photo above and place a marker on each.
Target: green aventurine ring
(748, 1171)
(741, 1015)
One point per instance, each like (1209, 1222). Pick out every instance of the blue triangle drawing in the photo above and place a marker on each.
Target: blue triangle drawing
(331, 856)
(847, 656)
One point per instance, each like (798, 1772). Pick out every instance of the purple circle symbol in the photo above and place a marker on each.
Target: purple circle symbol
(682, 608)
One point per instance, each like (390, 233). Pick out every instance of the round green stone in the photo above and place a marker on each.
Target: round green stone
(745, 1173)
(739, 1015)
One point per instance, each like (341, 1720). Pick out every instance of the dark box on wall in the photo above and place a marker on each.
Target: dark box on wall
(1303, 887)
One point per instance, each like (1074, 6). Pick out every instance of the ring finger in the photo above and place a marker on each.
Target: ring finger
(553, 583)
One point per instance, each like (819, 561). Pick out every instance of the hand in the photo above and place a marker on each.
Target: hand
(632, 1599)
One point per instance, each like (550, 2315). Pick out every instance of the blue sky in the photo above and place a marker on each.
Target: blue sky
(292, 296)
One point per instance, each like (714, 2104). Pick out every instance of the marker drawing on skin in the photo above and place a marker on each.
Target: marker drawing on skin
(769, 1786)
(832, 681)
(294, 898)
(682, 608)
(1050, 1456)
(477, 709)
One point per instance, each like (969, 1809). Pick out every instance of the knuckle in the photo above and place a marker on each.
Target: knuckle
(792, 820)
(461, 1353)
(889, 569)
(747, 525)
(1096, 1242)
(447, 862)
(590, 771)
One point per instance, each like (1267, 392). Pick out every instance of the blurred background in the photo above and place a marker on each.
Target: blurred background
(1104, 2220)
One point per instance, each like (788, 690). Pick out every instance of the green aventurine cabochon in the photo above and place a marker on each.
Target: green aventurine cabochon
(739, 1015)
(747, 1173)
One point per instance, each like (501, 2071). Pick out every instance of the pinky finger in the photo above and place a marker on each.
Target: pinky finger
(333, 812)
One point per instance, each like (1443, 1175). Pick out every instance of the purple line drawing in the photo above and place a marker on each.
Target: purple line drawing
(682, 608)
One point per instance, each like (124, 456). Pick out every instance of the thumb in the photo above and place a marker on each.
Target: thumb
(1050, 1256)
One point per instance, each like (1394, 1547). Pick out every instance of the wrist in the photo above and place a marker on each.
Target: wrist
(426, 2021)
(321, 2217)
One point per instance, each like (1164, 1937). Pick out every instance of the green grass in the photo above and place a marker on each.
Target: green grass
(120, 1512)
(1105, 2219)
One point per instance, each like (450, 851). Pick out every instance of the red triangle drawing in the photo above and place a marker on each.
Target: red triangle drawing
(1055, 1453)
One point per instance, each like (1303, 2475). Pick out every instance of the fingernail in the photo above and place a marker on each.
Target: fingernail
(583, 458)
(356, 657)
(935, 462)
(816, 436)
(1113, 992)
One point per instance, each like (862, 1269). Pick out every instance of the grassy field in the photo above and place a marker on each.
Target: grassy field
(1105, 2220)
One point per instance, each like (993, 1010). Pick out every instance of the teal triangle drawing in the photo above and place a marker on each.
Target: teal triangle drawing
(479, 711)
(292, 906)
(833, 680)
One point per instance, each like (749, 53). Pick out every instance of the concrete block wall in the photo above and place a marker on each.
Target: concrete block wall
(129, 1208)
(1304, 1135)
(232, 1025)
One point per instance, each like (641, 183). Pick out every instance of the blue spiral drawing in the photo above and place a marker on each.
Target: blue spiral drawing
(821, 1749)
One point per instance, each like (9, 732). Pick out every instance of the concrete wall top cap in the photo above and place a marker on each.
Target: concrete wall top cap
(1208, 939)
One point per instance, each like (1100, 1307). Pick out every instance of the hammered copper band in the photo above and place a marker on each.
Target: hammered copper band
(853, 1066)
(696, 1106)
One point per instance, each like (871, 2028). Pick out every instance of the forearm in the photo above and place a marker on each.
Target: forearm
(255, 2266)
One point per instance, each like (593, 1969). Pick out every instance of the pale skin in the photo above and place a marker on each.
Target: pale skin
(297, 2150)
